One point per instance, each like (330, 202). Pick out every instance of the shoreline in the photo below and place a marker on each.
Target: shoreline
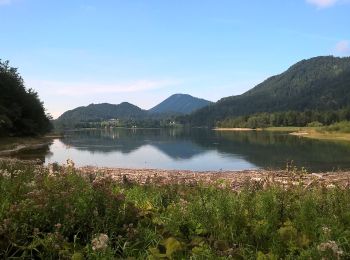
(14, 145)
(234, 179)
(236, 129)
(23, 147)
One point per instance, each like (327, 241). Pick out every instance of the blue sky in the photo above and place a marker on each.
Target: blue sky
(75, 52)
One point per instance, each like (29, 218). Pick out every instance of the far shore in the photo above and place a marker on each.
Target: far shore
(304, 132)
(236, 129)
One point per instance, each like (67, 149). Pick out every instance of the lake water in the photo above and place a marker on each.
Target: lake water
(195, 149)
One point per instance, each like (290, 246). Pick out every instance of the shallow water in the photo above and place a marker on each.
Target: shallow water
(196, 149)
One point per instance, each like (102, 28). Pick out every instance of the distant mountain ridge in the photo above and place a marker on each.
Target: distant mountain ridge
(320, 83)
(177, 104)
(180, 104)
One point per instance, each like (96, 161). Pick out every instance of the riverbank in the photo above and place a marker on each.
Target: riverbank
(322, 135)
(14, 145)
(102, 213)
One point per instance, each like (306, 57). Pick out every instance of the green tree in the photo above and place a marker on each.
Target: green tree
(21, 111)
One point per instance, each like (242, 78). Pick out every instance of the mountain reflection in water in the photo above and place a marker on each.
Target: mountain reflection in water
(197, 149)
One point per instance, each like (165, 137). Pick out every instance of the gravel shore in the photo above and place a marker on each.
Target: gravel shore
(234, 179)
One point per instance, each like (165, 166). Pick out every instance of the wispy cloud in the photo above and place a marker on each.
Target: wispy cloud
(88, 8)
(86, 88)
(326, 3)
(5, 2)
(342, 47)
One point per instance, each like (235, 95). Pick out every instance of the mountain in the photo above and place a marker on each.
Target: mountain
(180, 104)
(320, 83)
(104, 111)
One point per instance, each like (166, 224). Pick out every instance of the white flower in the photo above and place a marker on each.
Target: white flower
(100, 242)
(326, 230)
(70, 163)
(5, 173)
(330, 246)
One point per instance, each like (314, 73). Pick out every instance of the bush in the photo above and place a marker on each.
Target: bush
(314, 124)
(341, 127)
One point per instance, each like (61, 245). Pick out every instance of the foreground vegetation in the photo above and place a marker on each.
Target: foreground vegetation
(57, 212)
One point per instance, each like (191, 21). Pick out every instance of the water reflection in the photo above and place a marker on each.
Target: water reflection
(197, 149)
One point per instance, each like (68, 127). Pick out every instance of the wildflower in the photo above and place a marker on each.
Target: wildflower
(70, 163)
(100, 242)
(30, 184)
(51, 170)
(36, 231)
(330, 246)
(58, 225)
(5, 174)
(326, 230)
(17, 172)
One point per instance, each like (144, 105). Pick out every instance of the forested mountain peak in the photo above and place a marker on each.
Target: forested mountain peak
(319, 83)
(180, 103)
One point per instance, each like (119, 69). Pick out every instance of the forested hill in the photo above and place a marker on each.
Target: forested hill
(174, 105)
(321, 83)
(21, 111)
(104, 111)
(180, 104)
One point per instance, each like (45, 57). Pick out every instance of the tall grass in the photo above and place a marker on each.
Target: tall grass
(56, 212)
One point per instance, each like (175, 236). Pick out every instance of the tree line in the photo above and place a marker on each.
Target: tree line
(21, 111)
(288, 118)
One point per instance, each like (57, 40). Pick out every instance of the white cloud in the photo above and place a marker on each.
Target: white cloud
(86, 88)
(327, 3)
(342, 47)
(322, 3)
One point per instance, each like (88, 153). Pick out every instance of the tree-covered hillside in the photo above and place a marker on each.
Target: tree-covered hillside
(100, 112)
(321, 83)
(21, 111)
(180, 104)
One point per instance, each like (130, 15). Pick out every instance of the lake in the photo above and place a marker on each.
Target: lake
(195, 149)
